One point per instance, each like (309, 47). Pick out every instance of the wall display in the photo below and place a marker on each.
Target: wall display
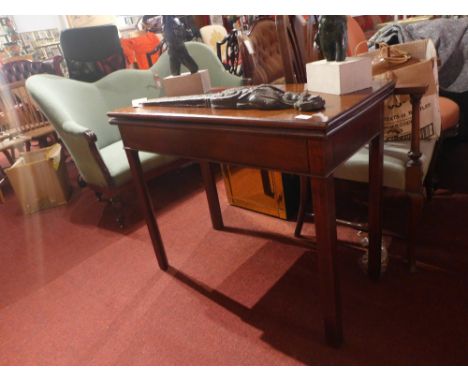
(35, 45)
(41, 44)
(10, 44)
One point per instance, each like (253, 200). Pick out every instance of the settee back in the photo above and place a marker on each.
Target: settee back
(63, 99)
(78, 111)
(205, 59)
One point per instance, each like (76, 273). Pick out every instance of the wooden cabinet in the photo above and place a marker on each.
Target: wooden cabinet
(269, 192)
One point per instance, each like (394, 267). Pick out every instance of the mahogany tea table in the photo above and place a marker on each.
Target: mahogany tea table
(311, 144)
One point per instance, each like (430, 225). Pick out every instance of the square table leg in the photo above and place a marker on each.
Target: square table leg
(212, 194)
(147, 207)
(323, 194)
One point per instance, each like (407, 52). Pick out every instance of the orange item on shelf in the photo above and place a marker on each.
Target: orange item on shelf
(136, 48)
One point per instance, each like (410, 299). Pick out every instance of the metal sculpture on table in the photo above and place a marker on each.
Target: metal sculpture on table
(174, 36)
(263, 97)
(333, 37)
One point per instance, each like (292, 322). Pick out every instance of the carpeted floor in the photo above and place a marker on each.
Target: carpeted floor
(76, 290)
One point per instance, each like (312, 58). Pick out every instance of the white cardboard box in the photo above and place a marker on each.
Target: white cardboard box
(355, 73)
(187, 84)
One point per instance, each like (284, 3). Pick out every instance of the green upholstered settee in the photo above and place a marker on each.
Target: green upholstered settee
(78, 111)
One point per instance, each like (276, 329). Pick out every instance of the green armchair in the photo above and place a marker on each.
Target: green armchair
(78, 112)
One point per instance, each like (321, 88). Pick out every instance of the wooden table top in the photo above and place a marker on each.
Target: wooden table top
(337, 109)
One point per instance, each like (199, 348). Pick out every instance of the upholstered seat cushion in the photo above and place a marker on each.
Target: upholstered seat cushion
(117, 164)
(449, 113)
(395, 158)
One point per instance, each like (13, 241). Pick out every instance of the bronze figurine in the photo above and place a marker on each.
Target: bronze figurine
(174, 33)
(333, 37)
(263, 97)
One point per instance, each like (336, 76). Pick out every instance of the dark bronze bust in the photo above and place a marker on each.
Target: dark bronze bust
(333, 37)
(263, 97)
(174, 33)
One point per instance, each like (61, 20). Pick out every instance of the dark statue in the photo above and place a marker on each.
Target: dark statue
(263, 97)
(174, 35)
(333, 37)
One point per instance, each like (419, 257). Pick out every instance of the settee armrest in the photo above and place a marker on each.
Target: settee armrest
(81, 143)
(75, 128)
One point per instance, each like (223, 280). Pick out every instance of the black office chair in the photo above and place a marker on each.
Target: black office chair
(92, 52)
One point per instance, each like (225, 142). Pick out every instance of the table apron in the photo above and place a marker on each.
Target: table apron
(313, 156)
(284, 153)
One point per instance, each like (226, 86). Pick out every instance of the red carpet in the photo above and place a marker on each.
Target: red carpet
(75, 290)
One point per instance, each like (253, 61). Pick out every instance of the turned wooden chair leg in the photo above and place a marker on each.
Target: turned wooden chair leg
(416, 207)
(117, 206)
(303, 198)
(414, 174)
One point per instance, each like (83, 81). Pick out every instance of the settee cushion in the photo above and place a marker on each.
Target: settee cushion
(395, 158)
(117, 163)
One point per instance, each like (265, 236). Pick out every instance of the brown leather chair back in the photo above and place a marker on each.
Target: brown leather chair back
(260, 52)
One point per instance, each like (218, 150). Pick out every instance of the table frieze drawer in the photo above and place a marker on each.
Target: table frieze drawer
(288, 154)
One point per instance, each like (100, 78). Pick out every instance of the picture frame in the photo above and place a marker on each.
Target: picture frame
(79, 21)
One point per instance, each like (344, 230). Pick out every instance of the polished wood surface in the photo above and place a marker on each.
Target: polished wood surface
(338, 108)
(275, 140)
